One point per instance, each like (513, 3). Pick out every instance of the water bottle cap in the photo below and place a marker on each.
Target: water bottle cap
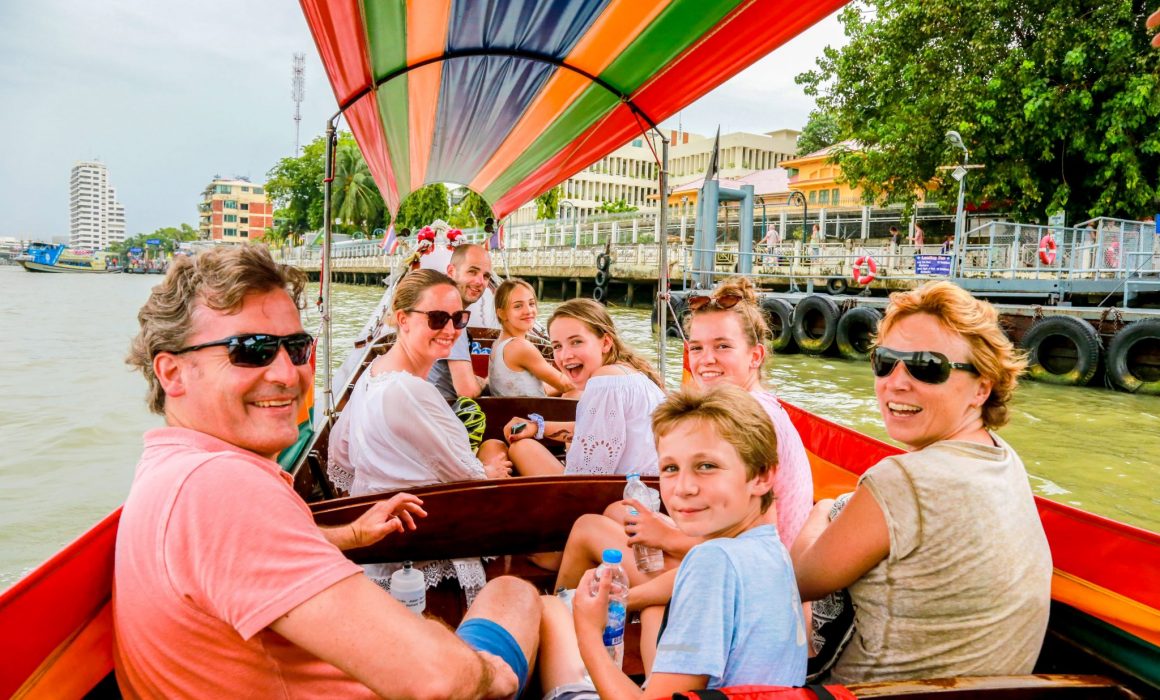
(612, 556)
(408, 564)
(632, 475)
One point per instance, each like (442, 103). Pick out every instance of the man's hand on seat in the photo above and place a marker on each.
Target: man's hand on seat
(395, 514)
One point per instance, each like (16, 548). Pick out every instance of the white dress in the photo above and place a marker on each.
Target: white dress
(399, 433)
(614, 426)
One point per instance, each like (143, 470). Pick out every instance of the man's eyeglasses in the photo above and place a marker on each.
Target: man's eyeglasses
(437, 319)
(724, 301)
(927, 366)
(259, 349)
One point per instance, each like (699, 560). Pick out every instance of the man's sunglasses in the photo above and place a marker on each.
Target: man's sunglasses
(926, 366)
(724, 301)
(259, 349)
(437, 319)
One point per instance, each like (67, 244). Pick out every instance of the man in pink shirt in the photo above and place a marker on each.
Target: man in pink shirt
(224, 586)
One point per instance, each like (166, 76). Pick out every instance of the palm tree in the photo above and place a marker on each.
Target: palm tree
(356, 196)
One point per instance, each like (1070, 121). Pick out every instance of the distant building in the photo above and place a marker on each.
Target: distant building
(818, 179)
(234, 211)
(96, 218)
(630, 172)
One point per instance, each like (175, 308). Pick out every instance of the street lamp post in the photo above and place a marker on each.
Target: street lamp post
(575, 222)
(960, 174)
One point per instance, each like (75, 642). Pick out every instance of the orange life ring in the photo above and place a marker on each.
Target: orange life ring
(1047, 249)
(865, 268)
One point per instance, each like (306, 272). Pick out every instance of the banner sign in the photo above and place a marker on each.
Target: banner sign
(932, 265)
(153, 241)
(135, 251)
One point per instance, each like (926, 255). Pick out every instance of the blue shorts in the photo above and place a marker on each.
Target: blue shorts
(484, 635)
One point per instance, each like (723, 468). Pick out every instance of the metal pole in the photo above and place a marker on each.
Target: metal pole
(663, 257)
(327, 390)
(960, 222)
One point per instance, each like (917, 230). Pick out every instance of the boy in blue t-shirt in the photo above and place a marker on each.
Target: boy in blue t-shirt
(735, 616)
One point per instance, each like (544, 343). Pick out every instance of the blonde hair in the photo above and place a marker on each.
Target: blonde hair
(749, 314)
(596, 318)
(504, 291)
(411, 287)
(737, 418)
(992, 352)
(218, 279)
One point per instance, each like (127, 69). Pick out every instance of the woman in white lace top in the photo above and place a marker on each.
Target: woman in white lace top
(612, 433)
(397, 431)
(517, 368)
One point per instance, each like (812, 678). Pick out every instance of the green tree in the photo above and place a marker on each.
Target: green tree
(820, 131)
(617, 207)
(470, 212)
(423, 206)
(548, 204)
(169, 237)
(1059, 99)
(294, 185)
(357, 203)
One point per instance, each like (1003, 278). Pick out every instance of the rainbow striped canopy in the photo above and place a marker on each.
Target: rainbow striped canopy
(510, 97)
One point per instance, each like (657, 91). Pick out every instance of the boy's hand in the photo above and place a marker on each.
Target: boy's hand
(589, 613)
(646, 527)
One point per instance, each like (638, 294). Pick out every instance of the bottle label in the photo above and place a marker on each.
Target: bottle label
(416, 602)
(614, 627)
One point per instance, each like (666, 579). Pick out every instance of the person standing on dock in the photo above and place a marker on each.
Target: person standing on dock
(223, 584)
(470, 267)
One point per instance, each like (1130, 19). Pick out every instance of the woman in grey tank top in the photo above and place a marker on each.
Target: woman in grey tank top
(941, 548)
(516, 367)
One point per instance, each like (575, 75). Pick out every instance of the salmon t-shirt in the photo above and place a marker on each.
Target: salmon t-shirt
(212, 548)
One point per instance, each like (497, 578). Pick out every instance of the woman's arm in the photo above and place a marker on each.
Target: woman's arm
(521, 354)
(829, 556)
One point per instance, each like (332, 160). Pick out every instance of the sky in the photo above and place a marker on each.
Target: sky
(168, 94)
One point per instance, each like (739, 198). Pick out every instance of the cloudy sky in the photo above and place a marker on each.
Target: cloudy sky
(168, 94)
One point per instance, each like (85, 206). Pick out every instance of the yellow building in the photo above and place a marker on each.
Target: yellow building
(817, 178)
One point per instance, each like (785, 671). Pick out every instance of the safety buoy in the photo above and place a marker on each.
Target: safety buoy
(1047, 249)
(865, 268)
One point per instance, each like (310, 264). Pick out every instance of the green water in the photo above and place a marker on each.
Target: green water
(72, 416)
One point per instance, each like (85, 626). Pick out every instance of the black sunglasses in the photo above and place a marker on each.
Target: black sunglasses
(927, 366)
(437, 319)
(724, 301)
(259, 349)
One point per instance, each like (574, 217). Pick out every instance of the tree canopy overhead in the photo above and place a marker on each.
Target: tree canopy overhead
(1059, 99)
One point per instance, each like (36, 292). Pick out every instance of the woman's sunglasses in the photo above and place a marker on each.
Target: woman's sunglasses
(259, 349)
(724, 301)
(437, 319)
(927, 366)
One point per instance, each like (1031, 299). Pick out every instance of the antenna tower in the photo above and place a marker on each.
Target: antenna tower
(297, 91)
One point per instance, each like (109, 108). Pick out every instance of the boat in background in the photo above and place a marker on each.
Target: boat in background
(57, 257)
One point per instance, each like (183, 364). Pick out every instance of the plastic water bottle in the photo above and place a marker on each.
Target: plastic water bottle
(409, 588)
(648, 559)
(617, 599)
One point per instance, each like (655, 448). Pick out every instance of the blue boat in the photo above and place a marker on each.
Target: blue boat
(46, 257)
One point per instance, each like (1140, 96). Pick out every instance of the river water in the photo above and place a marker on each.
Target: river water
(72, 414)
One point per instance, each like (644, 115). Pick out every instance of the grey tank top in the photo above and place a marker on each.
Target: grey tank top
(506, 382)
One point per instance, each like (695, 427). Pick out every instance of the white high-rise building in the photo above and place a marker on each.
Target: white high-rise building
(96, 218)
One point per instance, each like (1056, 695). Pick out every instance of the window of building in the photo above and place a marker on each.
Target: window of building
(824, 197)
(245, 233)
(245, 219)
(230, 218)
(222, 189)
(231, 204)
(230, 231)
(637, 143)
(834, 197)
(813, 197)
(259, 190)
(245, 207)
(245, 189)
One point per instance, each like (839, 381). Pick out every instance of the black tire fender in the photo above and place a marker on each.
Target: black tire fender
(855, 332)
(837, 285)
(815, 323)
(1133, 358)
(599, 294)
(601, 278)
(1062, 350)
(603, 261)
(779, 316)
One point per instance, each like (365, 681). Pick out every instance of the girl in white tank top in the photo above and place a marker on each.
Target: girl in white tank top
(516, 367)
